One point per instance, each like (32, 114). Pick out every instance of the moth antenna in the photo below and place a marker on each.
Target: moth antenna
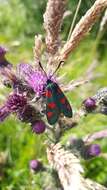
(42, 69)
(57, 67)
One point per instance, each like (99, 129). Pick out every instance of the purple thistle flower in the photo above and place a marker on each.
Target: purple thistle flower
(36, 79)
(4, 113)
(16, 102)
(38, 127)
(24, 70)
(90, 104)
(35, 165)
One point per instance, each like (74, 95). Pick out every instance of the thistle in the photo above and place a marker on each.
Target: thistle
(38, 99)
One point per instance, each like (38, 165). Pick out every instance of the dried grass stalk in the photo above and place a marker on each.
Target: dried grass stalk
(37, 48)
(81, 29)
(92, 185)
(52, 22)
(94, 136)
(69, 169)
(67, 166)
(103, 21)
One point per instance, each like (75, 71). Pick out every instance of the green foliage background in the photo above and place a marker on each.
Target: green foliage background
(19, 22)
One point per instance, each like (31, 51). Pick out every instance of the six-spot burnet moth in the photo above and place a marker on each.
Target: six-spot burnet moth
(56, 101)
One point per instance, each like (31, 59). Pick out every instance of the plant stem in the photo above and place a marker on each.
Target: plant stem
(74, 19)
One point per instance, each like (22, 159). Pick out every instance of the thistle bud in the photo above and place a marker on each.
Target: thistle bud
(94, 150)
(38, 127)
(89, 104)
(91, 151)
(35, 165)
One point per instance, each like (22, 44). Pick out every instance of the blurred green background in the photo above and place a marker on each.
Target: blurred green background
(19, 22)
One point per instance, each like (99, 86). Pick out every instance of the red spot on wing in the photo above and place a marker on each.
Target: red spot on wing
(51, 105)
(63, 100)
(48, 94)
(49, 114)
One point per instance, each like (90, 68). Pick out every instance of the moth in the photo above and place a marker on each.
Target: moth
(56, 101)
